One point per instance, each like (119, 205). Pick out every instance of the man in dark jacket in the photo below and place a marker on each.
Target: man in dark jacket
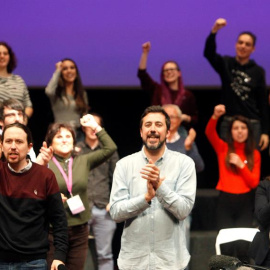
(243, 83)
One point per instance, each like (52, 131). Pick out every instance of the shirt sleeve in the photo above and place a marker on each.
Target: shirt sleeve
(108, 147)
(113, 160)
(196, 157)
(58, 220)
(262, 204)
(26, 97)
(180, 200)
(122, 207)
(252, 177)
(147, 83)
(262, 101)
(212, 136)
(52, 85)
(211, 55)
(191, 107)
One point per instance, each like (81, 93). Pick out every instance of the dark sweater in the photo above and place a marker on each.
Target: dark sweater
(243, 86)
(29, 201)
(179, 146)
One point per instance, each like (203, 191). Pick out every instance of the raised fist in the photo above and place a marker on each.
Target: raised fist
(146, 46)
(219, 23)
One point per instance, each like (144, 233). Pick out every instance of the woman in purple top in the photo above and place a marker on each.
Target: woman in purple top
(171, 89)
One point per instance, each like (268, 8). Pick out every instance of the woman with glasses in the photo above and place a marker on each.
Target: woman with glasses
(171, 89)
(67, 95)
(11, 85)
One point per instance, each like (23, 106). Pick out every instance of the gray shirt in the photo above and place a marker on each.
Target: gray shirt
(64, 108)
(154, 234)
(14, 87)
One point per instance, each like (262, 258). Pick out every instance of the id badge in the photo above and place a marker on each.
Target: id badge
(75, 205)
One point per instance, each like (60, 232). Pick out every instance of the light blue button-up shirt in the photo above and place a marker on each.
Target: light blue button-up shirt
(154, 234)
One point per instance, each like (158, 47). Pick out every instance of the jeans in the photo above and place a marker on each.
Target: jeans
(103, 228)
(40, 264)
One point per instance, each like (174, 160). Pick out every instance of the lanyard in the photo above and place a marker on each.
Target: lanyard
(68, 179)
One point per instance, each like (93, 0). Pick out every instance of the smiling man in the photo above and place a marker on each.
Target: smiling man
(153, 192)
(243, 83)
(29, 201)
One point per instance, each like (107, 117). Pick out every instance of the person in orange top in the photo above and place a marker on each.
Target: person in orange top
(239, 174)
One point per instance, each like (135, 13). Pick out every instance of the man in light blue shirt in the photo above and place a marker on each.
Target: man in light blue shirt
(153, 192)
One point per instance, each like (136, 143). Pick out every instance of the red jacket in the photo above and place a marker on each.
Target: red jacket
(242, 181)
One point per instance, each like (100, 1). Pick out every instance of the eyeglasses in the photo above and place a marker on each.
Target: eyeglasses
(169, 69)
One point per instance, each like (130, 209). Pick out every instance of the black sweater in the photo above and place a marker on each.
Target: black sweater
(244, 87)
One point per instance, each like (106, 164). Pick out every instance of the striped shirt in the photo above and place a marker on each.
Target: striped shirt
(14, 87)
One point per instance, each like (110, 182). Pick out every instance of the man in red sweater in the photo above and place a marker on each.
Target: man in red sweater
(29, 201)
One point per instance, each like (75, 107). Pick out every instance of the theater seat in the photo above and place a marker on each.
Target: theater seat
(234, 234)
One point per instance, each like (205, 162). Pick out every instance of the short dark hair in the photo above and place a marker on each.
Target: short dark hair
(156, 109)
(53, 129)
(254, 38)
(21, 126)
(12, 104)
(12, 64)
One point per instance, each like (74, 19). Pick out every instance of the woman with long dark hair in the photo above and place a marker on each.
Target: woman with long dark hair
(170, 90)
(239, 173)
(11, 85)
(67, 95)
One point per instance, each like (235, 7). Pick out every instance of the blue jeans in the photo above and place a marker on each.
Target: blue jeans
(103, 228)
(40, 264)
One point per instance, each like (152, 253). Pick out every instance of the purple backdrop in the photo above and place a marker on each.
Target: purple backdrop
(104, 37)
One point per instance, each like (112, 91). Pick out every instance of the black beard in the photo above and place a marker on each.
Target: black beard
(153, 147)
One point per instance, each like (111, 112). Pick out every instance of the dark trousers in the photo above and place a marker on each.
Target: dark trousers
(266, 262)
(234, 211)
(78, 247)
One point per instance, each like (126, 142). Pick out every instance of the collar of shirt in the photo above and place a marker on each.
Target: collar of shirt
(175, 138)
(159, 161)
(25, 169)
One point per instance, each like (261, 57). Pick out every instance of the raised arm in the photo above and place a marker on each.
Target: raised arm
(147, 83)
(210, 130)
(52, 85)
(144, 57)
(108, 147)
(192, 150)
(219, 24)
(210, 45)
